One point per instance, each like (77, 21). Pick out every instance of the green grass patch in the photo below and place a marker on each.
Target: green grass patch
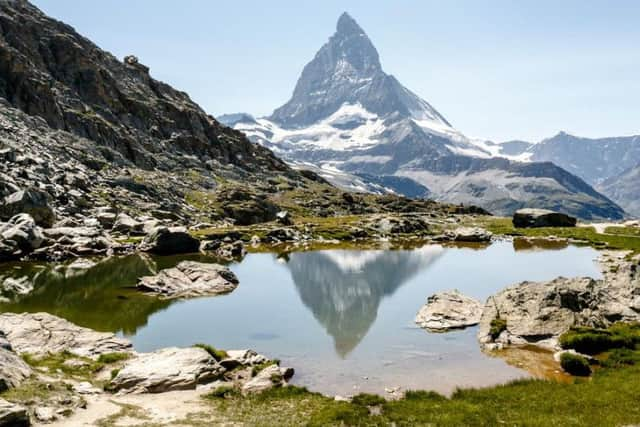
(623, 231)
(596, 341)
(214, 352)
(65, 363)
(575, 364)
(366, 399)
(621, 357)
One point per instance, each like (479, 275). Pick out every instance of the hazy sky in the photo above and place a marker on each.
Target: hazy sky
(500, 69)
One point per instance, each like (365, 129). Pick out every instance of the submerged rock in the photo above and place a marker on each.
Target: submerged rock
(43, 333)
(529, 218)
(166, 370)
(190, 279)
(449, 310)
(169, 241)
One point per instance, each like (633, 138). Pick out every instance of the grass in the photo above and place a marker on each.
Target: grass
(585, 234)
(575, 364)
(623, 231)
(608, 399)
(109, 358)
(58, 363)
(214, 352)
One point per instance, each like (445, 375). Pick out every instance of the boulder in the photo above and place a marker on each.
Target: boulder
(278, 235)
(242, 358)
(166, 370)
(190, 279)
(529, 218)
(13, 370)
(268, 378)
(469, 235)
(20, 236)
(13, 415)
(449, 310)
(126, 225)
(33, 202)
(169, 241)
(284, 218)
(43, 333)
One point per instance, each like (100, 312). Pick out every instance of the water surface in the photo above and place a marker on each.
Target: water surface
(342, 318)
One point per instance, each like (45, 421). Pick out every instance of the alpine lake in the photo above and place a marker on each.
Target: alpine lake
(344, 319)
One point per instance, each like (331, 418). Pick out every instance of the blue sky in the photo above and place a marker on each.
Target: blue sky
(496, 69)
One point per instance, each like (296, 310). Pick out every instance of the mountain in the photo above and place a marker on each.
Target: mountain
(625, 188)
(350, 119)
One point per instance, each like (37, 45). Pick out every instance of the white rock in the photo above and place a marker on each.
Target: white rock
(449, 310)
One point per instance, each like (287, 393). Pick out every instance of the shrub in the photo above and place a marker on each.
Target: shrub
(595, 341)
(497, 326)
(108, 358)
(214, 352)
(575, 364)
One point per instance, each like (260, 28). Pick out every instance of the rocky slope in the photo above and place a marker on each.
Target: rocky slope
(93, 148)
(348, 118)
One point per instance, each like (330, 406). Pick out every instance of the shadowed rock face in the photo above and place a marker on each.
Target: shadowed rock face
(343, 289)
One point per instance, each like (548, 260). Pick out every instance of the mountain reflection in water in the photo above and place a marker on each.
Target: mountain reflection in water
(343, 289)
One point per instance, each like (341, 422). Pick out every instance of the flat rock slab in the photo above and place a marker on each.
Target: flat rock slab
(166, 370)
(270, 377)
(190, 279)
(43, 333)
(449, 310)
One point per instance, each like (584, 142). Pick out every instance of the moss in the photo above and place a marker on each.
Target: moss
(214, 352)
(83, 368)
(498, 325)
(575, 364)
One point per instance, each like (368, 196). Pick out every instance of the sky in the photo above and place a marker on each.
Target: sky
(499, 69)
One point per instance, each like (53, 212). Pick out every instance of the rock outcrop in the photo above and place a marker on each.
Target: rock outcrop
(268, 378)
(190, 279)
(528, 218)
(166, 370)
(538, 312)
(31, 201)
(43, 333)
(469, 235)
(449, 310)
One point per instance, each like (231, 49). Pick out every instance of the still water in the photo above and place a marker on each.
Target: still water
(342, 318)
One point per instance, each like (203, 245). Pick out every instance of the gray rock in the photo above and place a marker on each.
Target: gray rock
(284, 218)
(190, 279)
(268, 378)
(169, 241)
(242, 358)
(282, 235)
(449, 310)
(45, 414)
(43, 333)
(33, 202)
(13, 370)
(166, 370)
(13, 415)
(20, 235)
(470, 235)
(528, 218)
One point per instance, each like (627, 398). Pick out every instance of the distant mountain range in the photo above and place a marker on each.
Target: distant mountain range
(361, 129)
